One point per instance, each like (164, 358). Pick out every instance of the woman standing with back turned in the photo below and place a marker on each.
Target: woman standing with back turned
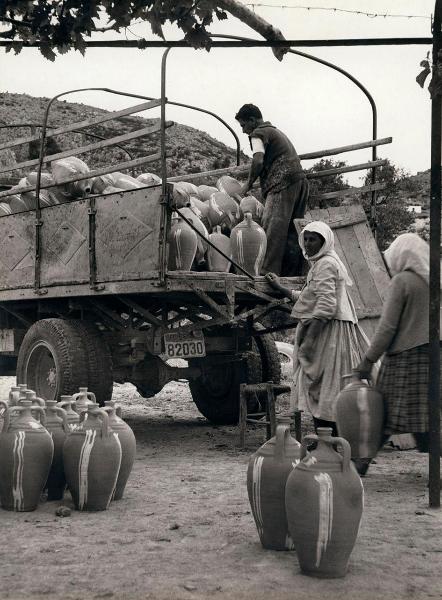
(402, 337)
(328, 339)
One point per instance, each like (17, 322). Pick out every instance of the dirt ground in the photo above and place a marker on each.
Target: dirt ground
(184, 529)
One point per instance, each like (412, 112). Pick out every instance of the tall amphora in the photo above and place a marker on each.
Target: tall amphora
(58, 427)
(249, 244)
(324, 501)
(83, 399)
(267, 474)
(128, 446)
(360, 417)
(92, 458)
(26, 450)
(73, 418)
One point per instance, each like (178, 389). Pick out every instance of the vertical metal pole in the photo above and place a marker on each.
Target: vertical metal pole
(434, 317)
(165, 217)
(374, 156)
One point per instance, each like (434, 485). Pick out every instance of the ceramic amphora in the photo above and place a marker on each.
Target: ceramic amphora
(92, 457)
(183, 244)
(249, 245)
(215, 260)
(26, 450)
(128, 446)
(83, 399)
(267, 475)
(57, 425)
(67, 403)
(324, 501)
(360, 417)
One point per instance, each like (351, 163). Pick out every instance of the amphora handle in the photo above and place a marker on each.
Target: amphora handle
(333, 441)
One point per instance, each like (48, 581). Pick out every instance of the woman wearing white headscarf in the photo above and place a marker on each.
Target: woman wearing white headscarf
(328, 340)
(402, 338)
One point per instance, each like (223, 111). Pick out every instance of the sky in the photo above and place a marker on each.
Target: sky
(315, 106)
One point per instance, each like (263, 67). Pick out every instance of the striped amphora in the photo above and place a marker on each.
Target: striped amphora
(26, 451)
(324, 502)
(92, 458)
(267, 474)
(248, 245)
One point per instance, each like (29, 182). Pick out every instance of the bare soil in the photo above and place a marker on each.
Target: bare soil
(184, 529)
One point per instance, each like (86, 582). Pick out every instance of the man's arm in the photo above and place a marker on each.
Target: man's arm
(257, 163)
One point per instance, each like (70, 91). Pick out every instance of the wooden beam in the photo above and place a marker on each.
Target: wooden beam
(241, 171)
(96, 146)
(349, 169)
(87, 123)
(352, 191)
(341, 149)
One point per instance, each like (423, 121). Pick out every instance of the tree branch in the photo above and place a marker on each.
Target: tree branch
(16, 22)
(254, 21)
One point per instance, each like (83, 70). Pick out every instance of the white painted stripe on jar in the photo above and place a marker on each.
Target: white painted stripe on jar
(83, 467)
(325, 524)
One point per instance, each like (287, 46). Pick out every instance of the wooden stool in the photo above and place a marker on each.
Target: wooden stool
(267, 416)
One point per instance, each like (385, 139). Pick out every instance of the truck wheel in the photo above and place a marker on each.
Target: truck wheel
(99, 361)
(52, 360)
(216, 392)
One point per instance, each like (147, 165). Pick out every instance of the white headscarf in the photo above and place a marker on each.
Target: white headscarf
(409, 252)
(327, 249)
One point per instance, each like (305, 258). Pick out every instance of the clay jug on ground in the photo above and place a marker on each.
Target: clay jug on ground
(183, 243)
(92, 458)
(26, 450)
(4, 405)
(249, 245)
(324, 501)
(215, 260)
(67, 403)
(57, 425)
(128, 446)
(267, 474)
(360, 417)
(83, 399)
(14, 395)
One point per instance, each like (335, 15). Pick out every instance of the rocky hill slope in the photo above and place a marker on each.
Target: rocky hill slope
(189, 150)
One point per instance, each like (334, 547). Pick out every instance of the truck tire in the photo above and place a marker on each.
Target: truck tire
(216, 392)
(52, 360)
(100, 379)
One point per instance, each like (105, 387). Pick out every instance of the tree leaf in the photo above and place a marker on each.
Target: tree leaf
(46, 49)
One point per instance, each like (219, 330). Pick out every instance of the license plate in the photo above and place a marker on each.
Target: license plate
(177, 345)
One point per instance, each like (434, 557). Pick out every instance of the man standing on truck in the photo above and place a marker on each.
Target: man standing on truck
(284, 188)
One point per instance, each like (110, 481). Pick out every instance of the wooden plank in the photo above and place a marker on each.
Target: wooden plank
(86, 123)
(17, 235)
(352, 191)
(65, 243)
(348, 148)
(241, 171)
(357, 265)
(90, 147)
(373, 259)
(103, 171)
(347, 169)
(128, 234)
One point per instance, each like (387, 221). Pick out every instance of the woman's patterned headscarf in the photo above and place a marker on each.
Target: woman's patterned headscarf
(327, 248)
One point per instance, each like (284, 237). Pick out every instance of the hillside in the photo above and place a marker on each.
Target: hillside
(189, 150)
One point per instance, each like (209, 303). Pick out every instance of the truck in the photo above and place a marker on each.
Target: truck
(86, 297)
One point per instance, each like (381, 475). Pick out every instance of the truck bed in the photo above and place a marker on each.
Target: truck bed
(106, 245)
